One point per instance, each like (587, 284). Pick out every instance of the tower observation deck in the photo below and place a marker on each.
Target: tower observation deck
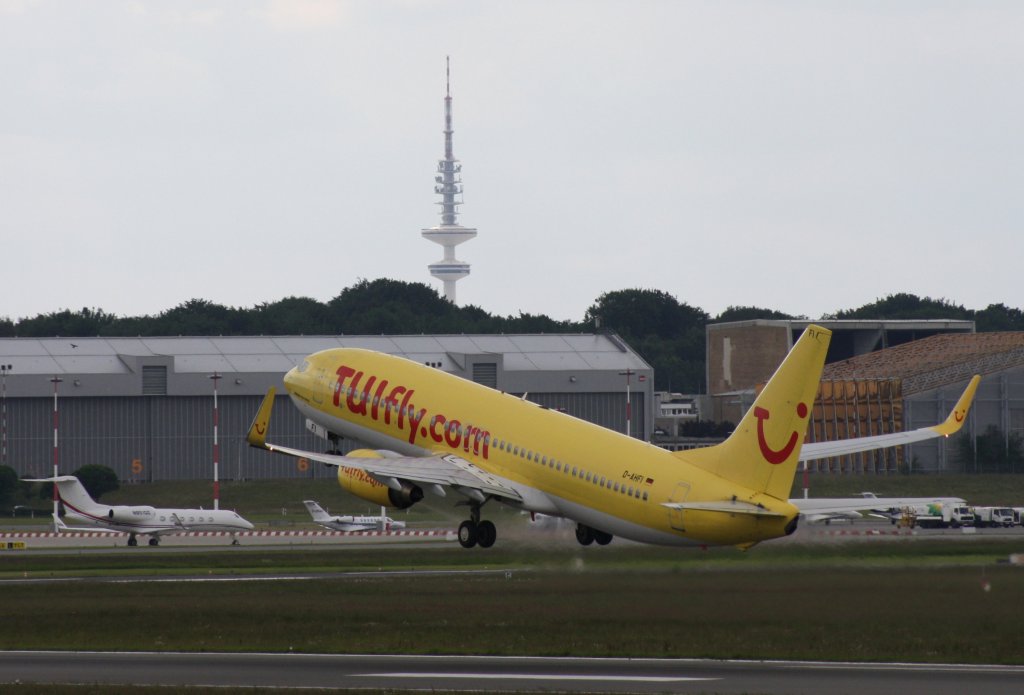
(448, 183)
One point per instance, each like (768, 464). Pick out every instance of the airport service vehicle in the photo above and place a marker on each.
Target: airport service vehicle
(993, 517)
(943, 514)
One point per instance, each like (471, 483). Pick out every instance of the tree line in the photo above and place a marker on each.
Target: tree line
(667, 333)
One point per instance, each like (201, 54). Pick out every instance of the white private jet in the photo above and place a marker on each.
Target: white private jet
(352, 523)
(137, 519)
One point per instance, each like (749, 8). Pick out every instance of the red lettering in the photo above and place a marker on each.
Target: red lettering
(378, 398)
(404, 409)
(360, 407)
(343, 373)
(453, 435)
(375, 394)
(392, 402)
(434, 433)
(414, 423)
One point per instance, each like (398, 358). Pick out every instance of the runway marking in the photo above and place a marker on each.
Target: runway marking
(535, 677)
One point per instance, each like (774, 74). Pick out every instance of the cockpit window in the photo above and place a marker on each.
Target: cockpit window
(304, 366)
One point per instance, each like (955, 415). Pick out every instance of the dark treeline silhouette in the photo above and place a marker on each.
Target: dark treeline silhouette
(669, 334)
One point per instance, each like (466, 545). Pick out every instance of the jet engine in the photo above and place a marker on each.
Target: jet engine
(363, 485)
(124, 514)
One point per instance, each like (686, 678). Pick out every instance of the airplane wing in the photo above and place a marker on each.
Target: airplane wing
(818, 450)
(438, 471)
(850, 507)
(62, 527)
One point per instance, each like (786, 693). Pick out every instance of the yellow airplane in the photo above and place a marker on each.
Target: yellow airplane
(435, 433)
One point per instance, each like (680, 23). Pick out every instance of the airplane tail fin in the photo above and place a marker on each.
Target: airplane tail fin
(763, 451)
(73, 495)
(316, 511)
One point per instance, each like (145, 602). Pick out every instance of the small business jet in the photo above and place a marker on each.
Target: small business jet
(435, 433)
(136, 520)
(352, 523)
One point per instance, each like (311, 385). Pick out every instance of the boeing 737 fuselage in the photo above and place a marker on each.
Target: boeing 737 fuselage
(431, 432)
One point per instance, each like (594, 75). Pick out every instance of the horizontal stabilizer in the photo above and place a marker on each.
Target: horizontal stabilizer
(726, 507)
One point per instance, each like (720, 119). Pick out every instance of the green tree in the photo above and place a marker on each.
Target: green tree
(906, 306)
(97, 479)
(998, 317)
(391, 306)
(291, 316)
(992, 451)
(86, 322)
(749, 313)
(200, 317)
(8, 485)
(667, 334)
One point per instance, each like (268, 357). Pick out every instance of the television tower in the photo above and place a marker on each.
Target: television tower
(448, 183)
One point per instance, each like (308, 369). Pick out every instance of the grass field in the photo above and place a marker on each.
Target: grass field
(891, 601)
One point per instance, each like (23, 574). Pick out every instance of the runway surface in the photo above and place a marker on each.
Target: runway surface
(526, 674)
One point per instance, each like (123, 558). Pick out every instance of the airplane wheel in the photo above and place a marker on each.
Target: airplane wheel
(584, 534)
(602, 538)
(154, 541)
(132, 541)
(486, 534)
(467, 534)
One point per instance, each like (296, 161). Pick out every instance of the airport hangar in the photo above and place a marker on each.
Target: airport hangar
(144, 406)
(881, 376)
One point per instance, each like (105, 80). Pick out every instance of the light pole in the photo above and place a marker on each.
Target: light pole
(629, 415)
(55, 381)
(4, 368)
(216, 446)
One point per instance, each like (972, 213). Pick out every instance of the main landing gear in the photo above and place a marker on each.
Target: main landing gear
(586, 535)
(475, 532)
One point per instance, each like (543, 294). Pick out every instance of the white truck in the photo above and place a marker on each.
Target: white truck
(940, 514)
(993, 517)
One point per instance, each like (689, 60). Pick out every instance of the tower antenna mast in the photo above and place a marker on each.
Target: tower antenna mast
(448, 183)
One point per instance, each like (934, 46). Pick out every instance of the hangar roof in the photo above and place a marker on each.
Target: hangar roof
(935, 361)
(278, 354)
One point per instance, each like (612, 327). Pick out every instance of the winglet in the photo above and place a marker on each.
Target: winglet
(956, 418)
(257, 435)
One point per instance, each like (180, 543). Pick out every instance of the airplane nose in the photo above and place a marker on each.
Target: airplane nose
(291, 378)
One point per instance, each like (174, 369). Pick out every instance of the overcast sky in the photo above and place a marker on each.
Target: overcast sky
(801, 156)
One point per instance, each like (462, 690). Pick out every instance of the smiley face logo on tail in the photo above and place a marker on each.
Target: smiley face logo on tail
(776, 456)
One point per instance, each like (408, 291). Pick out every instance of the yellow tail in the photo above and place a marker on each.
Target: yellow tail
(762, 453)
